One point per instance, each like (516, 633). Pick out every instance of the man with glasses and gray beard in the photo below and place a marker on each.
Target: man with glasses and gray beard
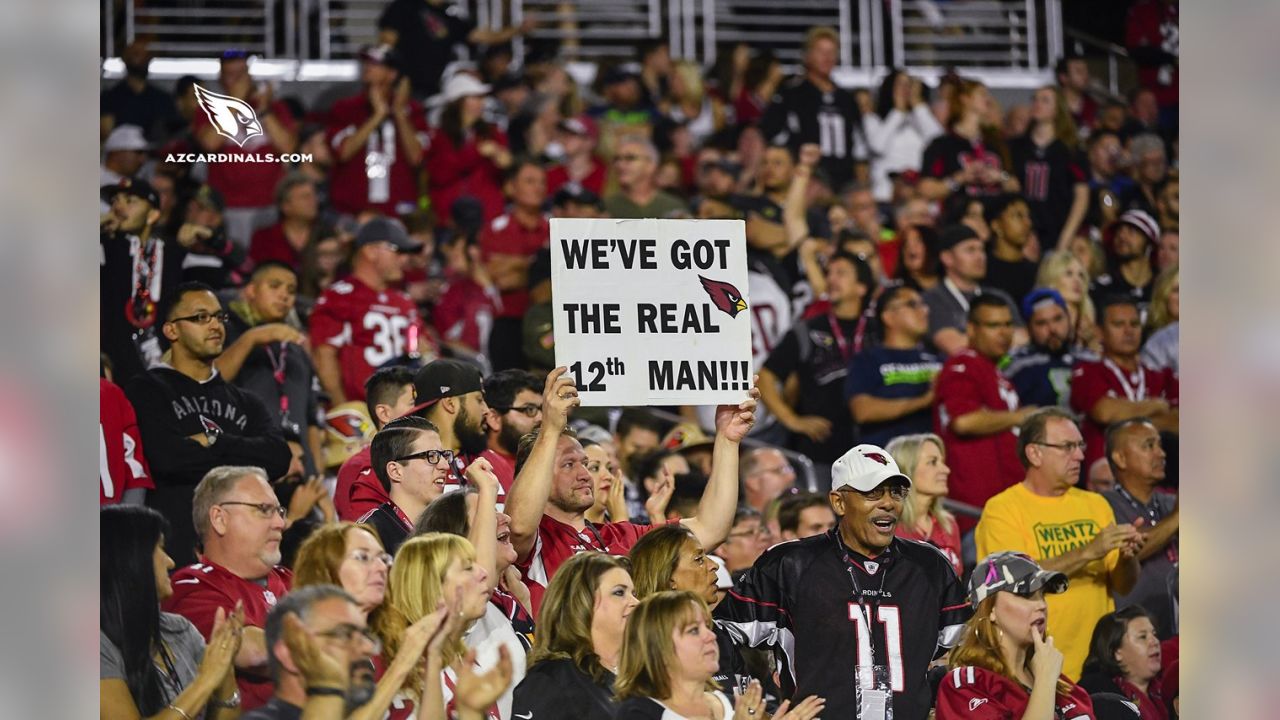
(192, 420)
(334, 627)
(240, 524)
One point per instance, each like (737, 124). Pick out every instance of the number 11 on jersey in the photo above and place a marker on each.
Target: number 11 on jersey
(890, 617)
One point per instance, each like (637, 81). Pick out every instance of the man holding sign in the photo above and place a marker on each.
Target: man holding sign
(553, 490)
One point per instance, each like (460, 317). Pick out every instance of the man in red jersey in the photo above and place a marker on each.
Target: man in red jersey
(976, 408)
(362, 322)
(377, 137)
(240, 524)
(578, 136)
(553, 490)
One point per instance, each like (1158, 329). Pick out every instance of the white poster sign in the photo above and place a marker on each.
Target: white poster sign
(652, 312)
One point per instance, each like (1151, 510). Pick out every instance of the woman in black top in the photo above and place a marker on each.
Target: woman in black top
(971, 157)
(579, 642)
(1046, 161)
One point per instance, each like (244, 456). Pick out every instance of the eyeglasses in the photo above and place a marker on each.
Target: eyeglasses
(204, 318)
(897, 492)
(265, 510)
(526, 410)
(347, 633)
(1067, 447)
(364, 557)
(433, 457)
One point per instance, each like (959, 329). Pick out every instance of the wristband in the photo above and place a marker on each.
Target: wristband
(180, 711)
(321, 690)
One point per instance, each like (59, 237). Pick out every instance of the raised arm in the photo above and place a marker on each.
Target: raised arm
(484, 526)
(720, 500)
(529, 491)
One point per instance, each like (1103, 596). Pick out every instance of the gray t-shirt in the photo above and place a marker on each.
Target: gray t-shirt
(1153, 589)
(185, 644)
(947, 311)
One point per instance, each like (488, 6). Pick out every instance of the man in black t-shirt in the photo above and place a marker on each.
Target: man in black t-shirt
(843, 605)
(890, 387)
(1007, 267)
(817, 351)
(426, 34)
(812, 109)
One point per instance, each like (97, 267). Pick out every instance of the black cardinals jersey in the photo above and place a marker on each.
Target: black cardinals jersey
(801, 598)
(800, 113)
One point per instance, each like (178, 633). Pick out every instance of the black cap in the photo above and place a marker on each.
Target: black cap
(572, 192)
(381, 229)
(954, 235)
(137, 188)
(468, 214)
(210, 197)
(441, 379)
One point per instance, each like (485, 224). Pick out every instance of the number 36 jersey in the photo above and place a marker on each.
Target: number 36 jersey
(368, 327)
(831, 614)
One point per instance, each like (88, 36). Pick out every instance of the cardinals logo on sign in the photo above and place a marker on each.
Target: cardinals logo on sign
(724, 296)
(232, 117)
(877, 457)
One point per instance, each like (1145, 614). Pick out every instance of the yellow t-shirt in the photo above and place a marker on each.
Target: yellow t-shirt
(1046, 527)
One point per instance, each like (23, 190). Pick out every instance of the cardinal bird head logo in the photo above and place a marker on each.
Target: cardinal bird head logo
(877, 457)
(724, 296)
(233, 118)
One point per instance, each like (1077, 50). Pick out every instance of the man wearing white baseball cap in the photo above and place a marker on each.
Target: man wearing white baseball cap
(855, 598)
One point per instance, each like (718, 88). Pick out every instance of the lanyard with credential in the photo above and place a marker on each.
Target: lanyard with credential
(868, 614)
(1133, 392)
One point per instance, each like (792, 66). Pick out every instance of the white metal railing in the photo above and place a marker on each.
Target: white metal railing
(1116, 56)
(1013, 35)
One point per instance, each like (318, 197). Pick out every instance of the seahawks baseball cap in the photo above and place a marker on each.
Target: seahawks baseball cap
(441, 379)
(381, 229)
(1038, 298)
(128, 186)
(864, 468)
(1014, 572)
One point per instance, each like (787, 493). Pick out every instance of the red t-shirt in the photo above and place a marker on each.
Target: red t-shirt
(368, 327)
(200, 589)
(248, 184)
(947, 542)
(121, 464)
(465, 312)
(454, 172)
(349, 188)
(558, 176)
(358, 490)
(1093, 380)
(506, 236)
(974, 693)
(981, 465)
(557, 542)
(269, 244)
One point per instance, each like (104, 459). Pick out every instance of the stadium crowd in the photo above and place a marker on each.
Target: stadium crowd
(329, 396)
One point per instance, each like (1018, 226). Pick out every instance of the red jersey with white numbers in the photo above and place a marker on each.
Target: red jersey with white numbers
(975, 693)
(368, 327)
(121, 465)
(200, 589)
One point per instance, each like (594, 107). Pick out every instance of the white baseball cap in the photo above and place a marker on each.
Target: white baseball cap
(864, 468)
(126, 137)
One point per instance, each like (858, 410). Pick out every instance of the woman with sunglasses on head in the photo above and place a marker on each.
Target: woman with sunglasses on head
(669, 658)
(1005, 666)
(579, 642)
(155, 664)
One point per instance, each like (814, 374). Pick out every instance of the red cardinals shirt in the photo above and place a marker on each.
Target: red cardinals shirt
(1093, 380)
(558, 542)
(200, 589)
(974, 693)
(453, 172)
(558, 177)
(465, 312)
(349, 185)
(507, 236)
(121, 465)
(269, 243)
(947, 542)
(247, 184)
(981, 465)
(368, 327)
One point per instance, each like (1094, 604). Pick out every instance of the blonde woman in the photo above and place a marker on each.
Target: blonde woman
(924, 459)
(668, 661)
(1161, 349)
(689, 104)
(1062, 271)
(432, 571)
(1004, 663)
